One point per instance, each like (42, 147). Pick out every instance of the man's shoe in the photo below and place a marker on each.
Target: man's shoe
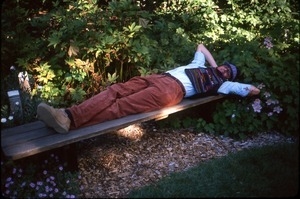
(55, 118)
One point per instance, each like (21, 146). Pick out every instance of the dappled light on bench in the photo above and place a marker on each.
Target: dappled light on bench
(164, 113)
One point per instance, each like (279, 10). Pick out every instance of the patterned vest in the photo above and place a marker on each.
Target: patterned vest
(206, 81)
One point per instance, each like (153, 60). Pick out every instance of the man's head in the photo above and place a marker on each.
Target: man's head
(228, 71)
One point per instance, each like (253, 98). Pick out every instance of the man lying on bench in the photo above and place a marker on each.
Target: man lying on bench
(153, 92)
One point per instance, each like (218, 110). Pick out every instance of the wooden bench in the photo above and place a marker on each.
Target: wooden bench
(33, 138)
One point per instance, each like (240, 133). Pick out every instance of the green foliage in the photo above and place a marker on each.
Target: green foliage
(80, 43)
(173, 122)
(261, 42)
(240, 116)
(144, 71)
(176, 122)
(202, 125)
(276, 65)
(75, 49)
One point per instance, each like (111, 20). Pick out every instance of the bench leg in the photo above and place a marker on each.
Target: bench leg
(69, 155)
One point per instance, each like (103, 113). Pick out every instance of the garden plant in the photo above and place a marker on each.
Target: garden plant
(72, 50)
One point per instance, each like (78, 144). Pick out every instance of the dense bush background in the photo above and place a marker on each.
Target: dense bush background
(73, 50)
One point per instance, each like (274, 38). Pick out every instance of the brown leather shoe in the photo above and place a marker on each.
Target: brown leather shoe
(55, 118)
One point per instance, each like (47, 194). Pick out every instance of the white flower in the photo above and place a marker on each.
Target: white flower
(3, 120)
(267, 94)
(256, 105)
(260, 86)
(11, 117)
(277, 109)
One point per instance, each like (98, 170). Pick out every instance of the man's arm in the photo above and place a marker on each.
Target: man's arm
(237, 88)
(207, 55)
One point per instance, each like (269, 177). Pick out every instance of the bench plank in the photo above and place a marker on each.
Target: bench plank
(33, 138)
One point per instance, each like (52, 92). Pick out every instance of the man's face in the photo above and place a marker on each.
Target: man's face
(225, 71)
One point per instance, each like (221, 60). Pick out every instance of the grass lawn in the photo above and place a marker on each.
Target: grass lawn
(269, 171)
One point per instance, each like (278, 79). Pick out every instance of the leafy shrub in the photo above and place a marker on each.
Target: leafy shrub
(263, 44)
(268, 63)
(73, 50)
(77, 44)
(243, 116)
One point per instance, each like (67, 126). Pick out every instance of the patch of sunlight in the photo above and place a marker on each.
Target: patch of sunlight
(133, 132)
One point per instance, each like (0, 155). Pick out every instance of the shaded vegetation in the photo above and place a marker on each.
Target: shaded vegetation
(73, 50)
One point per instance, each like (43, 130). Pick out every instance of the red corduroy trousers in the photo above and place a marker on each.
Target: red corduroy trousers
(137, 95)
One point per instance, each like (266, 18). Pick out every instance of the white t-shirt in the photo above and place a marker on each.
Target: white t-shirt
(227, 87)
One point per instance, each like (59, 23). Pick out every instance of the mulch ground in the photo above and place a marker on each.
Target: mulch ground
(113, 164)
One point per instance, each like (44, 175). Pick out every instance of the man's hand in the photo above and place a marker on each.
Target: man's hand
(253, 91)
(208, 56)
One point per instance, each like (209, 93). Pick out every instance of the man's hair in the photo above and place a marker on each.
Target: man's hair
(233, 70)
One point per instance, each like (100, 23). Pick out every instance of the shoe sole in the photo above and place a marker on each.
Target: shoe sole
(44, 113)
